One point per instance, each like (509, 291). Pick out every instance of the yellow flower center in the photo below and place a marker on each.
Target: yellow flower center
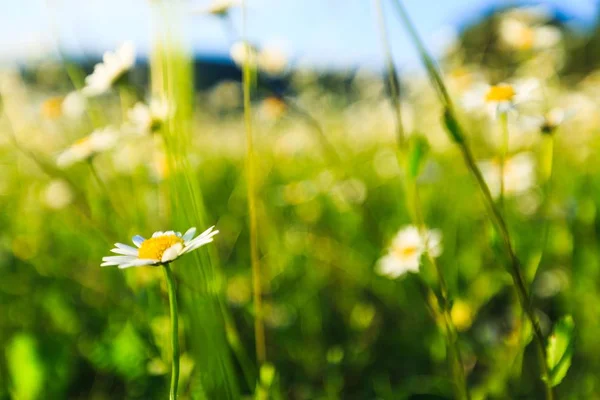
(501, 92)
(405, 252)
(153, 248)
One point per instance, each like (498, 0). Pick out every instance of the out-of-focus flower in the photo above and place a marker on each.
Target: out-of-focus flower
(52, 107)
(404, 254)
(242, 53)
(98, 141)
(553, 119)
(162, 248)
(522, 36)
(501, 98)
(272, 60)
(73, 105)
(273, 107)
(219, 8)
(149, 118)
(57, 194)
(113, 66)
(518, 176)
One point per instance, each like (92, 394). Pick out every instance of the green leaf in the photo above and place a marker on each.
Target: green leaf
(418, 149)
(452, 126)
(560, 350)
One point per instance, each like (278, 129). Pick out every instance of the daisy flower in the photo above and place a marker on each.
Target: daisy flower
(272, 60)
(522, 36)
(406, 249)
(553, 119)
(501, 98)
(113, 66)
(518, 176)
(98, 141)
(149, 118)
(162, 248)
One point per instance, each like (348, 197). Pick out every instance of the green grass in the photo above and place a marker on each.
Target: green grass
(331, 189)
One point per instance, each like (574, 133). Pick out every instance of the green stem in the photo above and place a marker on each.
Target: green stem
(174, 331)
(392, 75)
(503, 155)
(259, 329)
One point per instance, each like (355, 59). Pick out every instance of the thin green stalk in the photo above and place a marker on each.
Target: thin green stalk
(503, 154)
(458, 136)
(259, 328)
(547, 168)
(411, 188)
(458, 371)
(392, 75)
(174, 331)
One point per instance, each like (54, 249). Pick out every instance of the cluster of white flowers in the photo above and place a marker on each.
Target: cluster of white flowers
(405, 252)
(142, 118)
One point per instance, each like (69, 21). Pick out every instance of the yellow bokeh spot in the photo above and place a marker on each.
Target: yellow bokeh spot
(501, 92)
(462, 315)
(153, 248)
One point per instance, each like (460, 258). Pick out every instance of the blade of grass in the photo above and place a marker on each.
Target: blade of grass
(259, 329)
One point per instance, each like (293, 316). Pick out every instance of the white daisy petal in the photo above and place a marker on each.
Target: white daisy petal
(195, 244)
(138, 240)
(138, 263)
(189, 234)
(126, 252)
(157, 234)
(116, 260)
(172, 253)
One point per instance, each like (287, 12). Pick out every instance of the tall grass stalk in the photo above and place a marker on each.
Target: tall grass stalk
(412, 192)
(202, 309)
(503, 118)
(458, 136)
(259, 328)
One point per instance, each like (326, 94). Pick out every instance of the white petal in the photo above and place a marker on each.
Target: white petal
(157, 234)
(172, 253)
(133, 253)
(189, 234)
(116, 260)
(138, 263)
(121, 248)
(194, 244)
(138, 240)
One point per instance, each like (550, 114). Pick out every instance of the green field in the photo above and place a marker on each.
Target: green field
(308, 291)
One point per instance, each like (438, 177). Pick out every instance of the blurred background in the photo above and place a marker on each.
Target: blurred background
(88, 162)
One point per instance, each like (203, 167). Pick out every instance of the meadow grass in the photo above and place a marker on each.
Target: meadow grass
(310, 190)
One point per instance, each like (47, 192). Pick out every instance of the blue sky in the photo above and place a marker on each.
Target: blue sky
(328, 33)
